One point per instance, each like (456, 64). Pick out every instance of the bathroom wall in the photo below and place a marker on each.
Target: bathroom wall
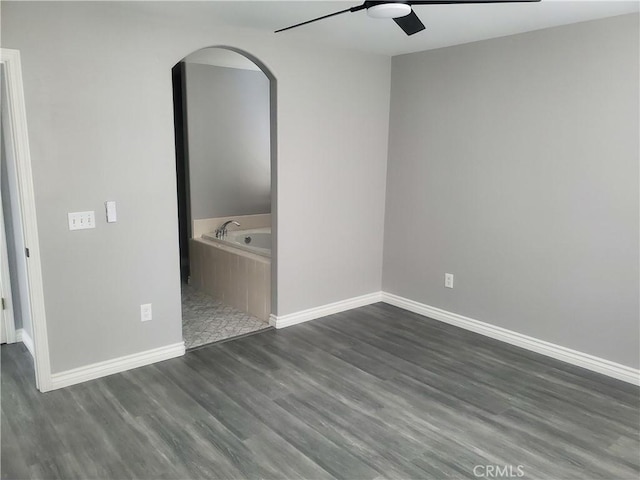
(513, 164)
(228, 126)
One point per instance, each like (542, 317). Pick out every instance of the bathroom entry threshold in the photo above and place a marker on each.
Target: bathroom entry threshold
(224, 340)
(206, 320)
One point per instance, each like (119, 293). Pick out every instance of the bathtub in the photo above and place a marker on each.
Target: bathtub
(256, 240)
(235, 270)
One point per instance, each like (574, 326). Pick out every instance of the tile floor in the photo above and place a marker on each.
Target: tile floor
(205, 320)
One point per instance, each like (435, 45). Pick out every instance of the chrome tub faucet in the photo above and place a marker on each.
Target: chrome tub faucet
(221, 231)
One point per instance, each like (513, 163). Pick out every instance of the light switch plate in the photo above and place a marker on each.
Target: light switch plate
(110, 208)
(81, 220)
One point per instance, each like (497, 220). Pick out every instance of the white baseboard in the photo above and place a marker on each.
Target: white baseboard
(109, 367)
(584, 360)
(324, 310)
(23, 336)
(580, 359)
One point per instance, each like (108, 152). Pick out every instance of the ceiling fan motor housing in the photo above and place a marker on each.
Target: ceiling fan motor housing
(389, 10)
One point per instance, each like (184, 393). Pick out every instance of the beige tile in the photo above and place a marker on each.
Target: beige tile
(208, 270)
(235, 280)
(215, 264)
(229, 278)
(212, 271)
(254, 279)
(238, 286)
(207, 225)
(195, 264)
(211, 267)
(204, 266)
(222, 277)
(267, 281)
(243, 283)
(200, 267)
(232, 281)
(261, 291)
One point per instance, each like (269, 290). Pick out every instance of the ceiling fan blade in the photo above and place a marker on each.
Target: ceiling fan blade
(462, 2)
(352, 9)
(410, 23)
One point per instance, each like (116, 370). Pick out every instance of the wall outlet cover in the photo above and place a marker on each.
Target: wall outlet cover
(146, 313)
(448, 280)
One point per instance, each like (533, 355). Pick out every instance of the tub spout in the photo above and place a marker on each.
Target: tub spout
(221, 232)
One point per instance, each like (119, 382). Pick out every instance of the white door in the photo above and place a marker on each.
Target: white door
(7, 325)
(6, 310)
(3, 328)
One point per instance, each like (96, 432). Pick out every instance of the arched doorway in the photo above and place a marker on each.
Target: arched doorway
(225, 132)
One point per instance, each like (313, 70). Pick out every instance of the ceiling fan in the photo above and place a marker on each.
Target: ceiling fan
(400, 11)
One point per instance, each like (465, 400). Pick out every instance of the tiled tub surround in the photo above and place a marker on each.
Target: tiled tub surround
(232, 276)
(255, 240)
(207, 225)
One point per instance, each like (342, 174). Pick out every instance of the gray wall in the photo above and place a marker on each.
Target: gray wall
(97, 80)
(228, 130)
(513, 164)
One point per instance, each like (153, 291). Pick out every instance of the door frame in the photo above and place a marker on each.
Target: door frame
(19, 141)
(273, 127)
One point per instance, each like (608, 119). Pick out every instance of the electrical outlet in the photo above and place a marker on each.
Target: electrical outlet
(145, 312)
(81, 220)
(448, 280)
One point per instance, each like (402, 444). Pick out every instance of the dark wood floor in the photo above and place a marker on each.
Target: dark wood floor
(376, 392)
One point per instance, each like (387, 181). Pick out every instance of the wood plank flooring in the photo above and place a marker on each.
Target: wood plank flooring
(372, 393)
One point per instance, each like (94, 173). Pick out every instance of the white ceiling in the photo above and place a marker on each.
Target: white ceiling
(445, 24)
